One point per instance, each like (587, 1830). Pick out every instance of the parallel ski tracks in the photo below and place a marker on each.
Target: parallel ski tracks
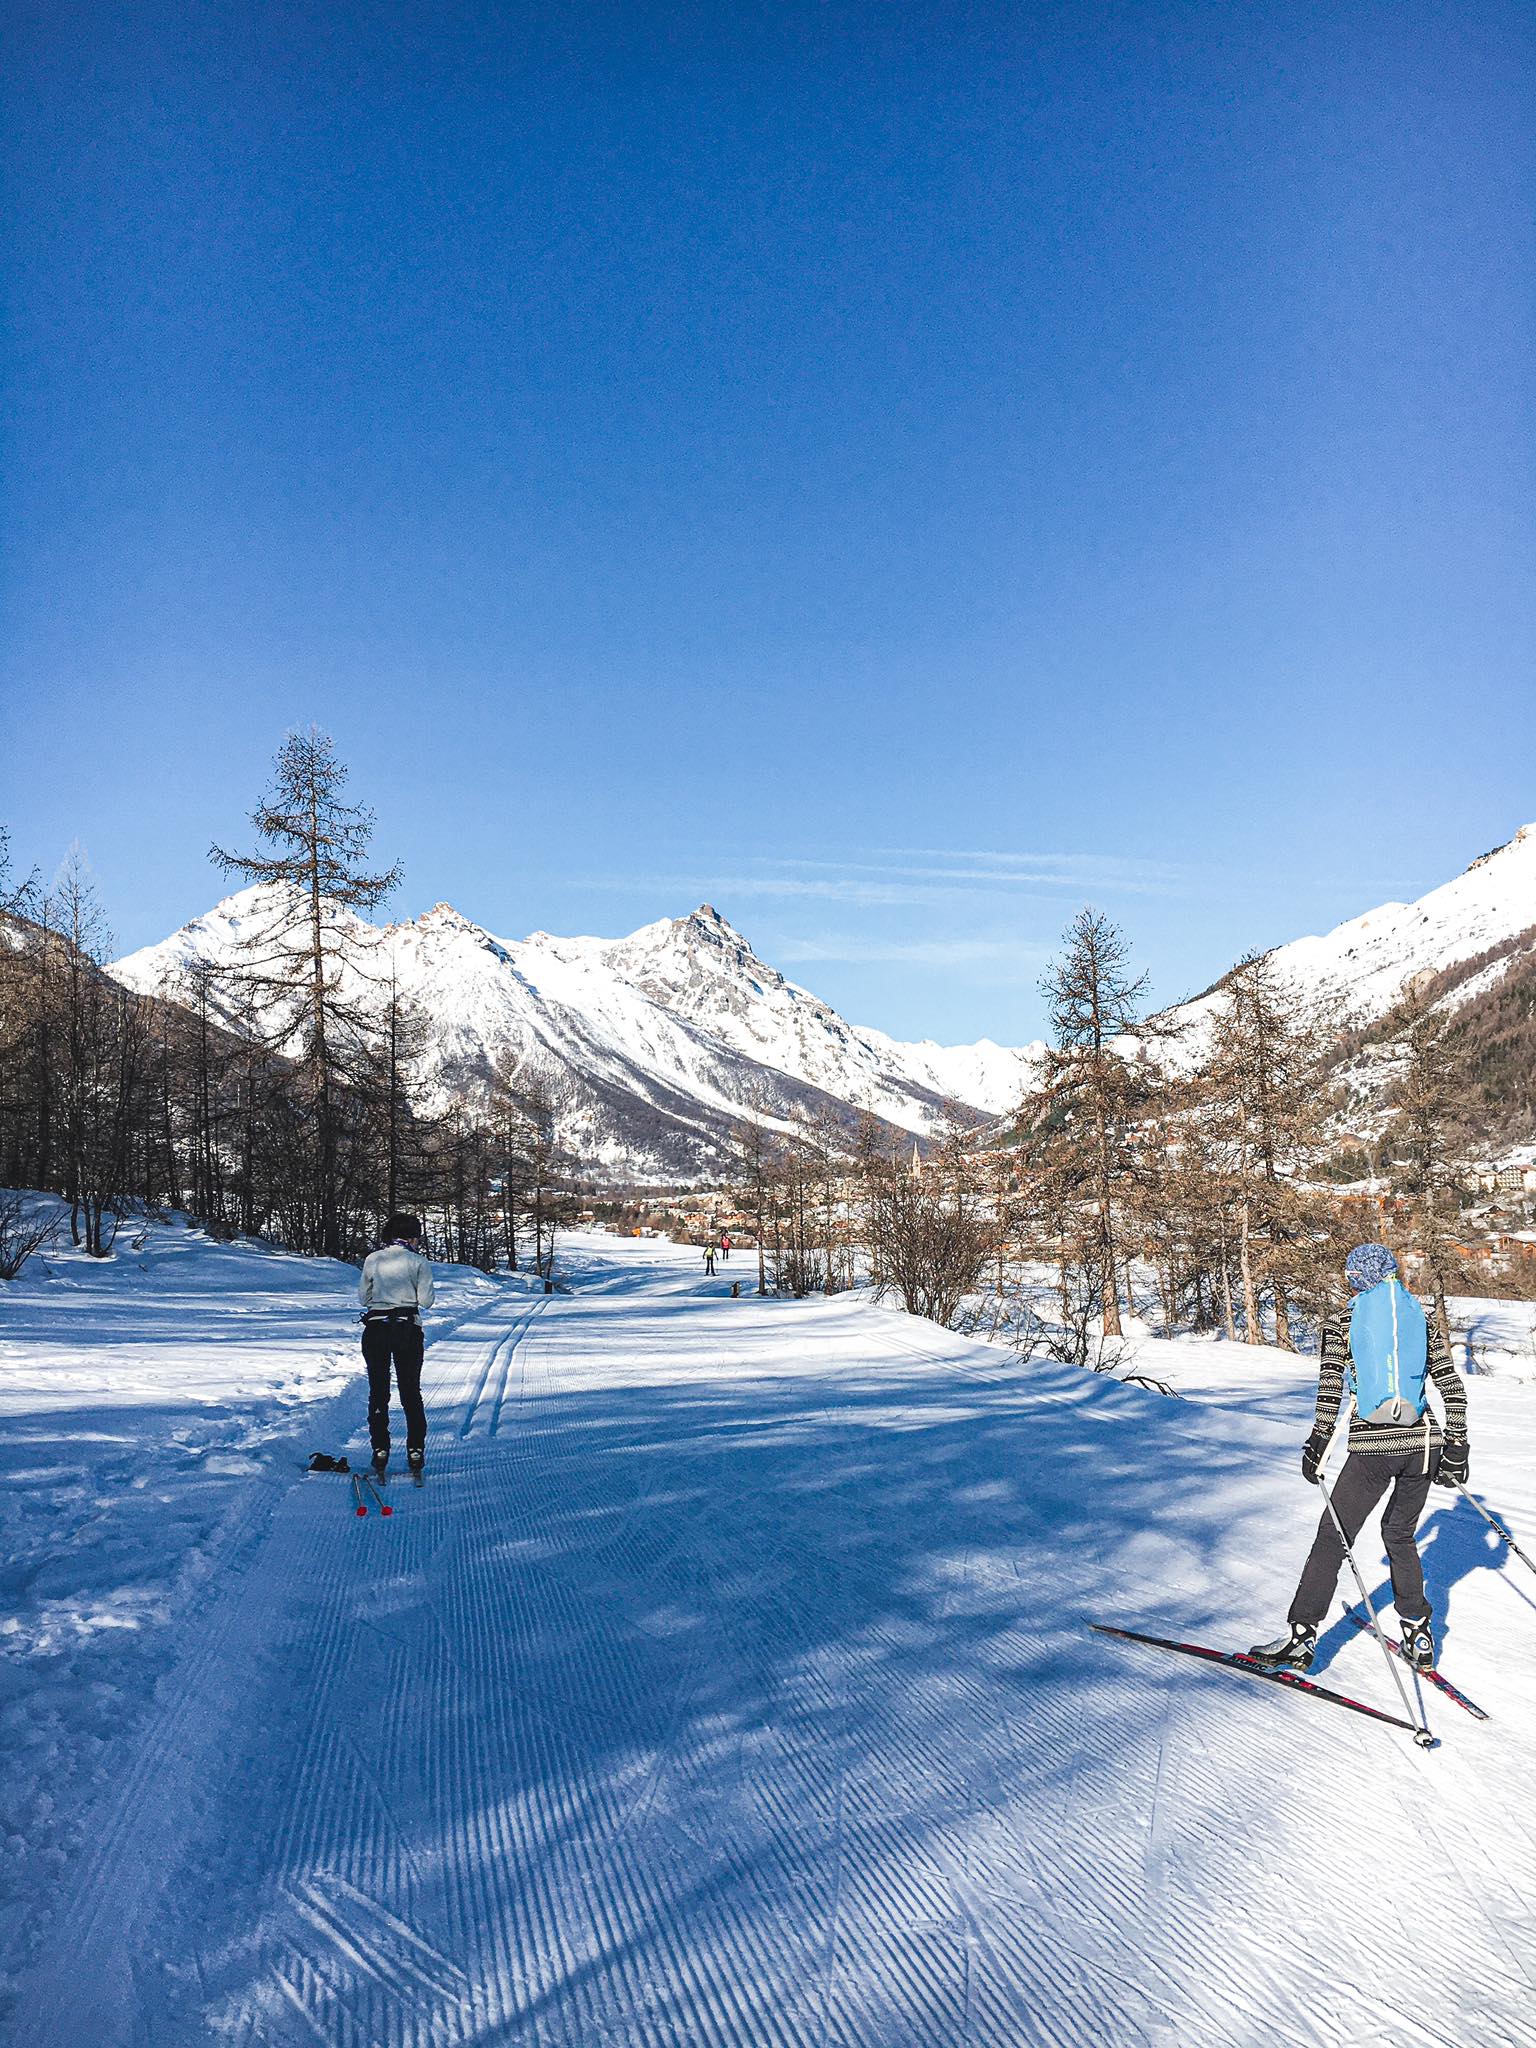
(614, 1736)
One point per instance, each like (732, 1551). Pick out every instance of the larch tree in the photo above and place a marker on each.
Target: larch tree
(307, 947)
(1265, 1104)
(1429, 1138)
(402, 1042)
(755, 1153)
(547, 1165)
(1091, 1092)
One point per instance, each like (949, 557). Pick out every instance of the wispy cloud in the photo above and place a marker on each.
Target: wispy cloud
(916, 878)
(842, 888)
(1104, 871)
(999, 960)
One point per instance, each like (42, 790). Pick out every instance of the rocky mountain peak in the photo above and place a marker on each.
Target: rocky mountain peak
(442, 917)
(1525, 835)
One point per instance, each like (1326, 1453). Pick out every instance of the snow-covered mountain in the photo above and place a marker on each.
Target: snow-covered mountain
(1364, 967)
(662, 1040)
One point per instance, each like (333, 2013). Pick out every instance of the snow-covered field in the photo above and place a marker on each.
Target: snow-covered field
(154, 1409)
(728, 1682)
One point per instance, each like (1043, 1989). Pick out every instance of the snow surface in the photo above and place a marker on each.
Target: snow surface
(727, 1683)
(152, 1403)
(1498, 1337)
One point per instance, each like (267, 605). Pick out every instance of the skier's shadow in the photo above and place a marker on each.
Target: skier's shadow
(1454, 1543)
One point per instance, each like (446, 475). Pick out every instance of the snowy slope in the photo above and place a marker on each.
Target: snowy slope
(1363, 967)
(729, 1682)
(665, 1037)
(700, 967)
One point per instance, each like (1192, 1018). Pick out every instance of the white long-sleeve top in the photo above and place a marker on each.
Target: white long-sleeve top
(395, 1277)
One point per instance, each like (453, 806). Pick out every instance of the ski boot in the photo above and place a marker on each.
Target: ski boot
(380, 1464)
(416, 1460)
(1418, 1643)
(1294, 1651)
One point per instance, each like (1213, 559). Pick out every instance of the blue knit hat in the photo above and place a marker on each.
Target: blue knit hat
(1367, 1266)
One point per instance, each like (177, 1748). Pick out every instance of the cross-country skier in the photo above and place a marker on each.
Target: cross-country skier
(394, 1286)
(709, 1258)
(1382, 1352)
(725, 1244)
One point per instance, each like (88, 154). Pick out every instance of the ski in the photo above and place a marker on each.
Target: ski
(376, 1489)
(1234, 1660)
(357, 1493)
(418, 1475)
(1434, 1677)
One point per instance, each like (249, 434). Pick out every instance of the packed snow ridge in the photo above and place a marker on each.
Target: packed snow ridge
(728, 1683)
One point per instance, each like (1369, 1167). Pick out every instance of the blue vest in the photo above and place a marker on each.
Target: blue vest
(1389, 1349)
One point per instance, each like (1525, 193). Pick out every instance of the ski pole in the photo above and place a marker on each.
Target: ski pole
(1497, 1526)
(1421, 1734)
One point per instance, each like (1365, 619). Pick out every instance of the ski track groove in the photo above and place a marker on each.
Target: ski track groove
(538, 1761)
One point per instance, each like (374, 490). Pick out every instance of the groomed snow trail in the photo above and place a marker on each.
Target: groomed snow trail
(728, 1683)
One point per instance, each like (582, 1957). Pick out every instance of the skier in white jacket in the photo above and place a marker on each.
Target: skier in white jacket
(394, 1286)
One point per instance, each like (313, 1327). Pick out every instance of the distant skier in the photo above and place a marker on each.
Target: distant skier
(1383, 1353)
(725, 1244)
(394, 1286)
(709, 1259)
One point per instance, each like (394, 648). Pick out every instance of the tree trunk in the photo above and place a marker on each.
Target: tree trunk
(1283, 1318)
(1228, 1315)
(1108, 1276)
(1253, 1332)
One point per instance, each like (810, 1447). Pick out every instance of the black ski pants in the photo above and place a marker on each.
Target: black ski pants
(398, 1342)
(1364, 1478)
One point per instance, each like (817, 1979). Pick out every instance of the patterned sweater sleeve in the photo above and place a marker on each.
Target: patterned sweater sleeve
(1330, 1376)
(1448, 1384)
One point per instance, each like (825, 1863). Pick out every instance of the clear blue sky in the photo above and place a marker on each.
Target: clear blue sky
(897, 471)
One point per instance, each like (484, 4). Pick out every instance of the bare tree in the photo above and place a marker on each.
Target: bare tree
(531, 1159)
(1091, 1091)
(755, 1165)
(1429, 1136)
(1265, 1101)
(26, 1227)
(91, 1103)
(402, 1040)
(297, 962)
(931, 1225)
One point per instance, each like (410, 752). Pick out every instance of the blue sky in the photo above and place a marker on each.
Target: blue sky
(895, 471)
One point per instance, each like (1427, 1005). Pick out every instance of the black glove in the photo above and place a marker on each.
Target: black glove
(1313, 1451)
(1455, 1462)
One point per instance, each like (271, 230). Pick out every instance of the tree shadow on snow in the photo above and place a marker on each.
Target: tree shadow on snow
(755, 1703)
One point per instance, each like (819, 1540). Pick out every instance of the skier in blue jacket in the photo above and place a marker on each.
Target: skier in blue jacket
(1383, 1353)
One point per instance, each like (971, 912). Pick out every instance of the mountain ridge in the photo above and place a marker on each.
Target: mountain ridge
(1364, 966)
(661, 1041)
(665, 1039)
